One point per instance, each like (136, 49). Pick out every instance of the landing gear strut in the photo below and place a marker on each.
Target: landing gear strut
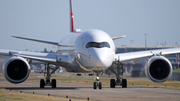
(97, 83)
(120, 81)
(48, 83)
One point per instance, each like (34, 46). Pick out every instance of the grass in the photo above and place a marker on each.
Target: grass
(73, 78)
(6, 95)
(177, 70)
(147, 83)
(69, 78)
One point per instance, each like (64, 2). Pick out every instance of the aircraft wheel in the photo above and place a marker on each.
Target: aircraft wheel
(124, 83)
(112, 83)
(42, 83)
(53, 83)
(100, 85)
(95, 85)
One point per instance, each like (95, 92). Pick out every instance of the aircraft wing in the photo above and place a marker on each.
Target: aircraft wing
(43, 57)
(133, 56)
(42, 41)
(119, 37)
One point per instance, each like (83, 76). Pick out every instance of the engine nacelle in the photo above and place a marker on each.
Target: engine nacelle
(158, 69)
(16, 69)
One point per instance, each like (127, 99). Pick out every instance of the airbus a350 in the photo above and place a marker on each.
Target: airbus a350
(93, 51)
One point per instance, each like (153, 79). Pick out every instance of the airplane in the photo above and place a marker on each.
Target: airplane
(93, 51)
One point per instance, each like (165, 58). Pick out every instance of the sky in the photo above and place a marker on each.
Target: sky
(50, 20)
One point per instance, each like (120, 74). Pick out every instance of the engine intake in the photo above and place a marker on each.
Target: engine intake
(158, 69)
(16, 69)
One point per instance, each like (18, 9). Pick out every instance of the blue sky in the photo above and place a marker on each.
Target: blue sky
(49, 20)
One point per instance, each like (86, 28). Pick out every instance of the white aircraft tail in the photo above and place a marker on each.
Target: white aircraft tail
(72, 27)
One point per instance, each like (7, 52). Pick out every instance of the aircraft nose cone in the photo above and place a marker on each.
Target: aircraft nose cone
(101, 58)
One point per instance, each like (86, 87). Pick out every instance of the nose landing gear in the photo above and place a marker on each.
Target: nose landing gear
(97, 83)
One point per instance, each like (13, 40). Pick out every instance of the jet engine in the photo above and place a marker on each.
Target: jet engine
(158, 69)
(16, 69)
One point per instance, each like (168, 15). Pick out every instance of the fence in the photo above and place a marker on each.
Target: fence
(175, 76)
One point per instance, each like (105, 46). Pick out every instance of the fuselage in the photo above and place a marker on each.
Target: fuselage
(93, 49)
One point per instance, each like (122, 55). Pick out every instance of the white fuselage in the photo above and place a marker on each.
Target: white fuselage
(93, 49)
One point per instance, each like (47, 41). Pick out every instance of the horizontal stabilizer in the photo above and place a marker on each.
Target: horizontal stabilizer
(42, 41)
(119, 37)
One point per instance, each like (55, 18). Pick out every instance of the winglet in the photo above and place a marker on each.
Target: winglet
(119, 37)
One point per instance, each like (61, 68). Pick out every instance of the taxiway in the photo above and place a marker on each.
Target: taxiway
(85, 90)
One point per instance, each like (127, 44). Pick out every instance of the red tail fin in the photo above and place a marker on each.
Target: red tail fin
(72, 28)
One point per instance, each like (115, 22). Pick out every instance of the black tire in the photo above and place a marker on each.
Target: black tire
(100, 85)
(112, 83)
(53, 83)
(124, 83)
(95, 85)
(42, 83)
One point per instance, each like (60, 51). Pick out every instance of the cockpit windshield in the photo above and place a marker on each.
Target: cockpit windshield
(97, 45)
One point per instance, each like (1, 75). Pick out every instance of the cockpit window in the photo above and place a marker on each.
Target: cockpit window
(97, 45)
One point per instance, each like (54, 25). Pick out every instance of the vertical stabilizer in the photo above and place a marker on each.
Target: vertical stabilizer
(72, 28)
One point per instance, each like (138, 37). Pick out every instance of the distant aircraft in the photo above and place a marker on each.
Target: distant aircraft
(93, 51)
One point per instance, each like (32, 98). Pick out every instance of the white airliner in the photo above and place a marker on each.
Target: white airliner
(93, 51)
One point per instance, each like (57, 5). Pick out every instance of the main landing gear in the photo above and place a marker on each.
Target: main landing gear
(97, 83)
(47, 82)
(120, 81)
